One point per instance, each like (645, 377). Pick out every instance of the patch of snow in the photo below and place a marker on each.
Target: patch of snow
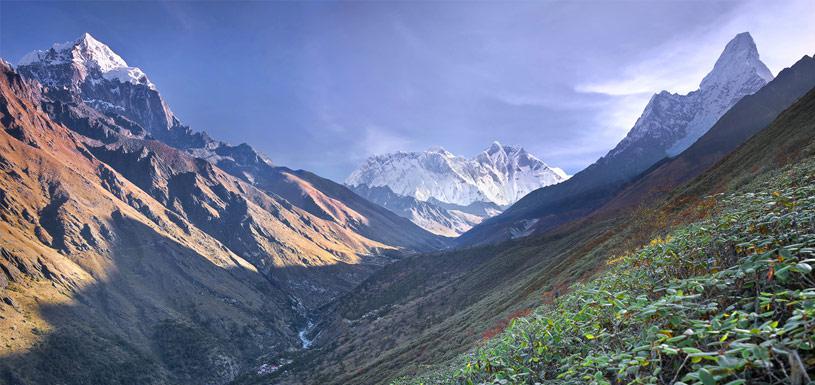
(128, 74)
(102, 105)
(559, 171)
(523, 228)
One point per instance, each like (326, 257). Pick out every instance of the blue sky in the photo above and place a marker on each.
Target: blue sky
(323, 85)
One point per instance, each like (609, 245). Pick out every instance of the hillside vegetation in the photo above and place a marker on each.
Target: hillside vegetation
(455, 299)
(726, 300)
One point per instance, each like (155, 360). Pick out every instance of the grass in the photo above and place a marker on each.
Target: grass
(726, 300)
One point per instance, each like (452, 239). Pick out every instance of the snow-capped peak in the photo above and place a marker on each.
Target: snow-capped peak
(739, 59)
(672, 122)
(495, 147)
(88, 55)
(440, 150)
(500, 174)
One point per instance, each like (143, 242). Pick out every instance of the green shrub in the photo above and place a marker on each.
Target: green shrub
(729, 300)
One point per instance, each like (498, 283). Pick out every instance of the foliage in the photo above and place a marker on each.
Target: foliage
(726, 300)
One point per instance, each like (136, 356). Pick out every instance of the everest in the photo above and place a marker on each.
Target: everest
(500, 174)
(447, 194)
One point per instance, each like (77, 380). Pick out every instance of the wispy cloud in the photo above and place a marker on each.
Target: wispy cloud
(678, 65)
(377, 141)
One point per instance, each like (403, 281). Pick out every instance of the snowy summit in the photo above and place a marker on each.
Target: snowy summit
(500, 174)
(674, 122)
(90, 57)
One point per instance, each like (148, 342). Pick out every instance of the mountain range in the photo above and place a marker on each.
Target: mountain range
(164, 227)
(137, 250)
(424, 314)
(448, 194)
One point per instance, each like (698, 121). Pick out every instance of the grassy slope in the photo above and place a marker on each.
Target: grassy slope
(455, 299)
(730, 299)
(788, 139)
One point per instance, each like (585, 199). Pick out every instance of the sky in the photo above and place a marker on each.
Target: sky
(323, 85)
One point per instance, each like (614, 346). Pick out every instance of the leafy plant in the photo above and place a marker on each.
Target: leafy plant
(728, 300)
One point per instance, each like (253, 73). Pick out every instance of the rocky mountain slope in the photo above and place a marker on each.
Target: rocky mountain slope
(669, 124)
(441, 218)
(408, 183)
(280, 219)
(134, 247)
(749, 116)
(102, 283)
(79, 76)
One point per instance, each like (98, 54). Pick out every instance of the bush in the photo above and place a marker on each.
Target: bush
(727, 300)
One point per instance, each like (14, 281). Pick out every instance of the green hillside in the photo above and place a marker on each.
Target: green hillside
(427, 310)
(726, 300)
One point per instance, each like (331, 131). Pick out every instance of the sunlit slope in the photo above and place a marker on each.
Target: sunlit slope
(103, 284)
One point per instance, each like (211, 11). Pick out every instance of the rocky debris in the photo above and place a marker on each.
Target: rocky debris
(10, 302)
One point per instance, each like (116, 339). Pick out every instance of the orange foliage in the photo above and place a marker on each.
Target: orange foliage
(501, 325)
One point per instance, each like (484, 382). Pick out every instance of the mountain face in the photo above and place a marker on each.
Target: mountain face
(97, 100)
(154, 240)
(90, 71)
(88, 79)
(744, 120)
(672, 122)
(669, 124)
(419, 185)
(437, 217)
(103, 283)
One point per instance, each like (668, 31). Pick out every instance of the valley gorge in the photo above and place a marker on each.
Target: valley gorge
(138, 249)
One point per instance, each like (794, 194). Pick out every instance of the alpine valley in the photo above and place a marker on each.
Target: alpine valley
(135, 249)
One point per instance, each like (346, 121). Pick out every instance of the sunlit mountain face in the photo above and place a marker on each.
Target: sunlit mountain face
(353, 214)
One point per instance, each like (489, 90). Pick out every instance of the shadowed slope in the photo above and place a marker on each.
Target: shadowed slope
(96, 272)
(268, 231)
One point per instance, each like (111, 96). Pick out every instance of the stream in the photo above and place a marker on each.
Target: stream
(303, 338)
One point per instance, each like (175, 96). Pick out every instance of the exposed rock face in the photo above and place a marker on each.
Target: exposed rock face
(95, 270)
(90, 71)
(744, 120)
(106, 100)
(672, 122)
(98, 95)
(121, 224)
(437, 217)
(278, 238)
